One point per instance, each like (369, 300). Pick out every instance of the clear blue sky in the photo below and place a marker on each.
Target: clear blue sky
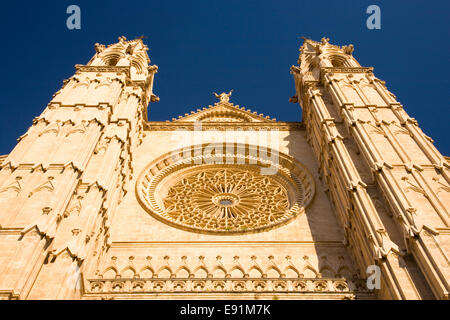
(206, 46)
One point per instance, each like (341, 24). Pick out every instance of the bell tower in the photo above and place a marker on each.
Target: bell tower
(389, 184)
(60, 184)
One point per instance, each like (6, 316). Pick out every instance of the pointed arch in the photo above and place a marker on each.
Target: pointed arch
(137, 65)
(255, 272)
(147, 272)
(314, 68)
(339, 60)
(309, 272)
(80, 128)
(237, 272)
(182, 272)
(128, 272)
(112, 58)
(110, 273)
(11, 187)
(46, 186)
(51, 128)
(74, 207)
(273, 272)
(201, 272)
(105, 82)
(10, 192)
(291, 272)
(327, 272)
(165, 272)
(219, 272)
(344, 272)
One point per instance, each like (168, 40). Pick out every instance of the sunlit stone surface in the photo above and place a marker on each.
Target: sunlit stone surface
(99, 202)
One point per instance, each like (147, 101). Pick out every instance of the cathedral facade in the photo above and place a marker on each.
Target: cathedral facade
(99, 202)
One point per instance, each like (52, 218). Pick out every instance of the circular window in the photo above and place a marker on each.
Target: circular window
(218, 197)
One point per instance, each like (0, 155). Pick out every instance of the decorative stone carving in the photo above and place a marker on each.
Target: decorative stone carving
(352, 124)
(227, 200)
(224, 198)
(212, 286)
(224, 97)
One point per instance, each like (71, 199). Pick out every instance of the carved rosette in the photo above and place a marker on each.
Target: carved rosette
(224, 193)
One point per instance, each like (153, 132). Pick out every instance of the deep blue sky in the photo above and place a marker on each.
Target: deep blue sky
(206, 46)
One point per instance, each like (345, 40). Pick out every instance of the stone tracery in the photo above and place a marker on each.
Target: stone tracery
(225, 198)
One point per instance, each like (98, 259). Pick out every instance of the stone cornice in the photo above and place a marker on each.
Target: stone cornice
(347, 70)
(301, 286)
(227, 243)
(117, 69)
(332, 70)
(245, 126)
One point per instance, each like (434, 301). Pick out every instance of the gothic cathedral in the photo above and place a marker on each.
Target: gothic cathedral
(99, 202)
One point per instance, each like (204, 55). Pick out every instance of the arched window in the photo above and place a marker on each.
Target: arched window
(111, 59)
(314, 69)
(112, 62)
(338, 61)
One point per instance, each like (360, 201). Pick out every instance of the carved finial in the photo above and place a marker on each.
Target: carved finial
(293, 99)
(325, 40)
(99, 47)
(348, 49)
(154, 98)
(223, 97)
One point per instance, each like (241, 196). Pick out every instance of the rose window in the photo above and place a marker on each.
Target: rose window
(223, 198)
(227, 199)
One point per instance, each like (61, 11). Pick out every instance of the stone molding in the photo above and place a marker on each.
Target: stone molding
(117, 287)
(222, 126)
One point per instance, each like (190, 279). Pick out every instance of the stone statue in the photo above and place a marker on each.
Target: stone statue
(348, 49)
(324, 41)
(223, 97)
(99, 47)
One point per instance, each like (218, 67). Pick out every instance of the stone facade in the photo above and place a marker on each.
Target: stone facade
(98, 202)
